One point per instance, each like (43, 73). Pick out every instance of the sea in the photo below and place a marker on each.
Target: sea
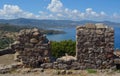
(71, 35)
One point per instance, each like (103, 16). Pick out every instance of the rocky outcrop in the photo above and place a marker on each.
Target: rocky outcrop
(32, 48)
(95, 46)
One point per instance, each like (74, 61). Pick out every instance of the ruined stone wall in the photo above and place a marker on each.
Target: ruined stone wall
(95, 46)
(32, 48)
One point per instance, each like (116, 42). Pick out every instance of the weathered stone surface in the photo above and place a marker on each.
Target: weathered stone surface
(117, 53)
(100, 26)
(32, 48)
(47, 65)
(67, 58)
(33, 40)
(8, 68)
(117, 61)
(80, 27)
(90, 26)
(95, 46)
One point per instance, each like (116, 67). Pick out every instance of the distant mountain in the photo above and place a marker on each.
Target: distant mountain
(52, 23)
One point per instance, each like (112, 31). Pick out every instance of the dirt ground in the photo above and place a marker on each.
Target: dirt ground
(53, 73)
(7, 59)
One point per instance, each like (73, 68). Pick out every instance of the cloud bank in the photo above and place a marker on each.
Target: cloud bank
(56, 11)
(14, 11)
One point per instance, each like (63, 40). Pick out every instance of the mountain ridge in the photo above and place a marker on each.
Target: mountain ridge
(52, 23)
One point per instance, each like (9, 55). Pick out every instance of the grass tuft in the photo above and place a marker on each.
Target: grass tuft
(91, 71)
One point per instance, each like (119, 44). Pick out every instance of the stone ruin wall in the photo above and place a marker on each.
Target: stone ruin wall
(95, 46)
(32, 48)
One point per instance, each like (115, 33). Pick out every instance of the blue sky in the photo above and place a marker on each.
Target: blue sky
(99, 10)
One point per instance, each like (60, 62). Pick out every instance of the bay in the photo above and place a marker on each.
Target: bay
(71, 34)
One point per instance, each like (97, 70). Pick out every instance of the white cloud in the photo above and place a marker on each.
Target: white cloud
(103, 13)
(14, 11)
(60, 15)
(116, 16)
(55, 6)
(90, 13)
(75, 11)
(56, 10)
(89, 10)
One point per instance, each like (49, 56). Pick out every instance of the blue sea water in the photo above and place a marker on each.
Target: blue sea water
(71, 33)
(117, 38)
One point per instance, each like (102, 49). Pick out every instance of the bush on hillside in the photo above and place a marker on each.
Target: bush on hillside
(60, 48)
(4, 42)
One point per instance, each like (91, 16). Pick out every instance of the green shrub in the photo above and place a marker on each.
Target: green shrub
(60, 48)
(91, 71)
(4, 42)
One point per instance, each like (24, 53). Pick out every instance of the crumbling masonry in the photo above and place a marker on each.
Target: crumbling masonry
(32, 48)
(94, 49)
(95, 46)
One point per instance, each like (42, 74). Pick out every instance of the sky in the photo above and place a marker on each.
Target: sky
(97, 10)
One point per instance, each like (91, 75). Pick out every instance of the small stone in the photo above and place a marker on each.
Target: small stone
(117, 61)
(69, 72)
(90, 26)
(26, 70)
(33, 40)
(16, 42)
(62, 66)
(35, 30)
(58, 72)
(99, 32)
(36, 34)
(63, 72)
(104, 63)
(80, 27)
(16, 56)
(42, 70)
(109, 55)
(98, 62)
(100, 26)
(47, 65)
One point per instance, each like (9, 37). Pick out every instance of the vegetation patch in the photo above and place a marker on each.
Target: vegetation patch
(60, 48)
(4, 42)
(92, 71)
